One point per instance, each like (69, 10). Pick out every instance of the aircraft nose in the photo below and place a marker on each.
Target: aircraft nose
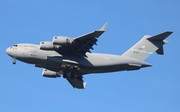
(8, 51)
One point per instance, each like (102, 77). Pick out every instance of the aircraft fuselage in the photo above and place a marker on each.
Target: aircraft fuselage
(58, 60)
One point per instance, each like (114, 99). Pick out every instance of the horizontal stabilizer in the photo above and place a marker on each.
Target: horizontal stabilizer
(161, 36)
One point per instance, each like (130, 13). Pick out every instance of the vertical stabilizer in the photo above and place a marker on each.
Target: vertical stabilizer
(147, 46)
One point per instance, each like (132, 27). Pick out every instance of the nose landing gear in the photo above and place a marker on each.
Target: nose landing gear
(14, 60)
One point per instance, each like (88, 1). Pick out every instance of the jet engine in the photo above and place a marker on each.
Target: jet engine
(62, 40)
(50, 74)
(47, 45)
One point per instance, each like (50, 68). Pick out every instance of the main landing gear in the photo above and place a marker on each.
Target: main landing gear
(71, 71)
(71, 74)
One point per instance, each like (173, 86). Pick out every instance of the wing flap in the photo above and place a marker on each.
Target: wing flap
(76, 82)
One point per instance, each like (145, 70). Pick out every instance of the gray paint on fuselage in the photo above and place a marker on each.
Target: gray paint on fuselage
(108, 63)
(91, 63)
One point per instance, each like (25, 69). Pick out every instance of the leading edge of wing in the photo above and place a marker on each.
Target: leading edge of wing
(99, 32)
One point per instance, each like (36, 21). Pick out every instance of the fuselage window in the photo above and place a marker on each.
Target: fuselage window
(15, 45)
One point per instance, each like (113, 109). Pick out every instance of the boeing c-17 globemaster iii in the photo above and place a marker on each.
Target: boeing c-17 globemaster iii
(72, 58)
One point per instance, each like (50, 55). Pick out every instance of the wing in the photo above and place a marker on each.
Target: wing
(76, 82)
(84, 43)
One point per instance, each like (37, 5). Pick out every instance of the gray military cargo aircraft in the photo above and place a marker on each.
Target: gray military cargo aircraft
(72, 58)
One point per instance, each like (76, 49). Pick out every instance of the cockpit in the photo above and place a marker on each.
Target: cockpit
(15, 45)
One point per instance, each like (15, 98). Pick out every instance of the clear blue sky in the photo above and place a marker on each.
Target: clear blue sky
(154, 89)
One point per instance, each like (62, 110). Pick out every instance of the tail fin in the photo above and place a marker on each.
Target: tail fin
(147, 45)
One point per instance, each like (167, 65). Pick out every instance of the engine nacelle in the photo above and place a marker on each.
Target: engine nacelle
(62, 40)
(46, 45)
(50, 74)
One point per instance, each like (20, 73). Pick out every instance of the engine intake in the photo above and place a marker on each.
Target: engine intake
(50, 74)
(62, 40)
(46, 45)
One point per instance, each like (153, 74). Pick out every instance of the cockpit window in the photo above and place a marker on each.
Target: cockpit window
(15, 45)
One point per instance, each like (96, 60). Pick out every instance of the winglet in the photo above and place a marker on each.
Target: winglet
(104, 27)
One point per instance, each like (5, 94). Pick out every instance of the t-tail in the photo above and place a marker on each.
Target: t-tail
(147, 46)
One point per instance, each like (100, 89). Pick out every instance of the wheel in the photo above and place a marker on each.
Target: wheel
(64, 74)
(68, 66)
(14, 62)
(75, 67)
